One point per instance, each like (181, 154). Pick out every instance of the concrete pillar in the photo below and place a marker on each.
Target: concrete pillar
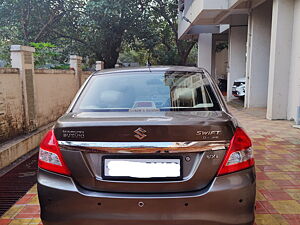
(205, 51)
(237, 57)
(75, 63)
(294, 83)
(213, 57)
(219, 63)
(99, 65)
(258, 55)
(22, 58)
(280, 58)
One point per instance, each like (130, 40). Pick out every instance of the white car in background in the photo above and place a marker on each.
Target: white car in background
(239, 86)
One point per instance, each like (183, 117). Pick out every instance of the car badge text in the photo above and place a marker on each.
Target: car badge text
(140, 133)
(78, 134)
(208, 133)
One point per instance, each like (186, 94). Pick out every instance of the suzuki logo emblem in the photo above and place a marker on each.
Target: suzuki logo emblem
(140, 133)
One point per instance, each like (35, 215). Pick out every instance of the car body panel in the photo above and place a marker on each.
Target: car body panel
(241, 80)
(88, 173)
(160, 126)
(226, 200)
(200, 139)
(239, 86)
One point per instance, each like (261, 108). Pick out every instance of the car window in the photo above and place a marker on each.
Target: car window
(148, 91)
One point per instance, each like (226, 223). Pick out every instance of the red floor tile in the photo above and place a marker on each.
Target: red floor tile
(27, 215)
(25, 199)
(273, 195)
(292, 219)
(285, 184)
(268, 168)
(262, 176)
(33, 209)
(4, 221)
(260, 209)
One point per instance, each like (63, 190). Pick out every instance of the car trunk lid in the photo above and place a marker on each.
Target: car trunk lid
(198, 138)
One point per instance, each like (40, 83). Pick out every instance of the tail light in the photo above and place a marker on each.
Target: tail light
(50, 157)
(239, 155)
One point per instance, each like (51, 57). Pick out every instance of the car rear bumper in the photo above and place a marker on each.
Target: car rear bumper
(238, 94)
(229, 199)
(238, 91)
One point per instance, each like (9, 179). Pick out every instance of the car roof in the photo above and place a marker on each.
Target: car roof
(150, 69)
(243, 79)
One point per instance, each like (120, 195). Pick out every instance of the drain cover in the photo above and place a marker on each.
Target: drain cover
(15, 183)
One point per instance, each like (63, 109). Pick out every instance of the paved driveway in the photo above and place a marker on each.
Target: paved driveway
(277, 153)
(277, 157)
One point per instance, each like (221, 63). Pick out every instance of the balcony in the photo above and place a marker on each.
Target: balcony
(195, 13)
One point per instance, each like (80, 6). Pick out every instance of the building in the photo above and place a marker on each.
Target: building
(263, 45)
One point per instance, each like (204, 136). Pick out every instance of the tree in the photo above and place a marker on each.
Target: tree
(34, 20)
(45, 53)
(104, 25)
(168, 10)
(98, 29)
(159, 35)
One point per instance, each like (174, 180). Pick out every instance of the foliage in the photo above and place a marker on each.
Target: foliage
(106, 24)
(129, 55)
(61, 67)
(221, 46)
(140, 30)
(34, 21)
(45, 53)
(5, 53)
(160, 38)
(25, 21)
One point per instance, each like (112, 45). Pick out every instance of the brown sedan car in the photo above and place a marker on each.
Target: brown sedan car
(147, 146)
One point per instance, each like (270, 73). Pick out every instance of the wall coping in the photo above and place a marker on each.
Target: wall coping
(9, 70)
(21, 48)
(75, 57)
(53, 71)
(15, 148)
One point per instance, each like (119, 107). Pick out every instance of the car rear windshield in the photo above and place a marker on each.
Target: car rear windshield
(148, 91)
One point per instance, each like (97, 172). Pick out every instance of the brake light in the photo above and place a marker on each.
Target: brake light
(239, 155)
(50, 157)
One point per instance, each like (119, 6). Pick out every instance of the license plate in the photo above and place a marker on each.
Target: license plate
(142, 168)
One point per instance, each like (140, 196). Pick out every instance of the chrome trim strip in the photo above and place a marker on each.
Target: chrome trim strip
(145, 147)
(126, 144)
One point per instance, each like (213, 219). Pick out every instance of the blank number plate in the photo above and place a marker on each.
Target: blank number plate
(142, 168)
